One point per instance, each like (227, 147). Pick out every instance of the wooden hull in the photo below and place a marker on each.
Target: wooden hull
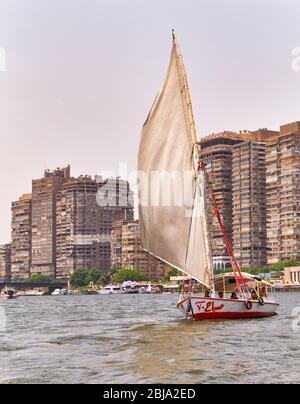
(204, 308)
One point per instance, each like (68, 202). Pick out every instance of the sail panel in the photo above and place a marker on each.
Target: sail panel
(173, 232)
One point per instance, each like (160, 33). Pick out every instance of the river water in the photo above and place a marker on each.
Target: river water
(143, 339)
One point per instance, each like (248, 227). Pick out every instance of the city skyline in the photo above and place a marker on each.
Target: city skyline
(71, 92)
(67, 222)
(64, 224)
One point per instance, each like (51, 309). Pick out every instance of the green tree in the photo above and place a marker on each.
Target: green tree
(173, 272)
(83, 277)
(38, 278)
(107, 277)
(127, 274)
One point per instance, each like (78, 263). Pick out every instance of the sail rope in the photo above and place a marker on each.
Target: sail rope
(240, 281)
(186, 100)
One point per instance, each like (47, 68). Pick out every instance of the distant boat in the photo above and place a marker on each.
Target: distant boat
(60, 292)
(145, 289)
(56, 292)
(178, 233)
(64, 292)
(9, 293)
(130, 290)
(110, 290)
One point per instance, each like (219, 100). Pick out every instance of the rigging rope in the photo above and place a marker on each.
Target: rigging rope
(241, 284)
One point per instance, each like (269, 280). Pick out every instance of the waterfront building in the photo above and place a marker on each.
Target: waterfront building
(249, 203)
(84, 221)
(5, 262)
(77, 235)
(283, 194)
(292, 276)
(115, 202)
(221, 263)
(216, 151)
(127, 251)
(116, 243)
(223, 153)
(21, 237)
(43, 230)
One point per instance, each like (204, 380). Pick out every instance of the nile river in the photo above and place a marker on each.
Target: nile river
(142, 339)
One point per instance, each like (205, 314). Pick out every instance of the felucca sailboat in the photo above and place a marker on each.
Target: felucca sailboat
(174, 199)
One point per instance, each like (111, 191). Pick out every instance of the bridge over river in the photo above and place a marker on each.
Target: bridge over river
(51, 286)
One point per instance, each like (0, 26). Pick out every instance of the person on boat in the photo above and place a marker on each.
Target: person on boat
(234, 296)
(254, 295)
(264, 292)
(221, 295)
(207, 293)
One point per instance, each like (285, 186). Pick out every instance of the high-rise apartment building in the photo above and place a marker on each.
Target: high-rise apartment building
(84, 221)
(77, 234)
(116, 242)
(21, 237)
(216, 151)
(116, 245)
(43, 230)
(66, 224)
(283, 194)
(115, 201)
(127, 251)
(249, 203)
(5, 262)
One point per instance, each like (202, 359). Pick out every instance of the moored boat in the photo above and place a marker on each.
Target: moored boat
(9, 293)
(110, 290)
(56, 292)
(61, 292)
(130, 290)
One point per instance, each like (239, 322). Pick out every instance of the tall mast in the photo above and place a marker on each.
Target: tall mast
(196, 154)
(200, 167)
(188, 95)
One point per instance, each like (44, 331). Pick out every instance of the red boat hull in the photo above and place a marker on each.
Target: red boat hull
(202, 308)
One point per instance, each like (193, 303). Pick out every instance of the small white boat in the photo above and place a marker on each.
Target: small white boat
(57, 292)
(64, 292)
(110, 290)
(9, 294)
(145, 289)
(60, 292)
(130, 290)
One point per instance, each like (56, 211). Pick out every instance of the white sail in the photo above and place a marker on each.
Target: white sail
(174, 232)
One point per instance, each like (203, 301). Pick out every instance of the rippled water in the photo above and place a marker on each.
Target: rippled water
(142, 339)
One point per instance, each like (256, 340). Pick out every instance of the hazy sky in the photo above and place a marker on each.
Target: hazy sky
(82, 74)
